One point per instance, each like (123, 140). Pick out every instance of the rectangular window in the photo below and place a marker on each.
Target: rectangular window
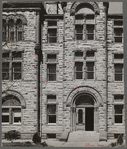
(5, 115)
(51, 135)
(16, 115)
(51, 108)
(19, 36)
(52, 35)
(16, 70)
(90, 70)
(51, 98)
(52, 23)
(78, 70)
(51, 58)
(11, 35)
(118, 113)
(118, 72)
(90, 54)
(5, 70)
(17, 55)
(90, 32)
(118, 56)
(51, 72)
(118, 35)
(79, 32)
(118, 98)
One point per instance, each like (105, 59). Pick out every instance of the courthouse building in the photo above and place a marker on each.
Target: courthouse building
(62, 69)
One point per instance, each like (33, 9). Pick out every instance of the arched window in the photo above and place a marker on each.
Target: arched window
(80, 116)
(4, 31)
(84, 22)
(11, 30)
(19, 30)
(11, 110)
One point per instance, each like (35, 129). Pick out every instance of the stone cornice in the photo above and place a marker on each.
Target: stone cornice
(23, 6)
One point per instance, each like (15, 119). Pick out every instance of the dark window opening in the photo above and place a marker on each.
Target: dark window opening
(52, 35)
(80, 116)
(118, 72)
(52, 23)
(90, 32)
(118, 113)
(90, 70)
(90, 17)
(51, 98)
(90, 53)
(5, 70)
(118, 56)
(51, 110)
(78, 32)
(78, 70)
(118, 23)
(51, 57)
(118, 34)
(16, 68)
(51, 72)
(5, 55)
(51, 135)
(16, 55)
(78, 54)
(118, 98)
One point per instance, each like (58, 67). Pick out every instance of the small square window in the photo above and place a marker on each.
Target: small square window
(51, 98)
(79, 54)
(118, 56)
(90, 54)
(118, 23)
(52, 23)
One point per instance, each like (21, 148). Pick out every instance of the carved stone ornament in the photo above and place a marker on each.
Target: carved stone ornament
(15, 17)
(16, 94)
(76, 5)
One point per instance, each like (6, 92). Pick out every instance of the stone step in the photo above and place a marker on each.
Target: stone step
(83, 136)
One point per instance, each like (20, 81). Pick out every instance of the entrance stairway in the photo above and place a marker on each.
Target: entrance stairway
(83, 136)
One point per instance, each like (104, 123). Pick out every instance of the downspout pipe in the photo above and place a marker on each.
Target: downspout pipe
(39, 55)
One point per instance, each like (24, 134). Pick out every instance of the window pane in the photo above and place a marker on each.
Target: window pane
(79, 17)
(90, 53)
(118, 109)
(118, 119)
(5, 118)
(90, 28)
(52, 39)
(51, 98)
(5, 110)
(16, 67)
(4, 36)
(118, 39)
(118, 77)
(51, 57)
(118, 98)
(51, 109)
(52, 118)
(5, 71)
(19, 23)
(52, 77)
(52, 32)
(11, 24)
(78, 54)
(17, 54)
(118, 31)
(51, 68)
(90, 66)
(5, 55)
(79, 75)
(90, 17)
(118, 68)
(17, 119)
(79, 37)
(90, 75)
(118, 23)
(90, 37)
(19, 36)
(118, 56)
(80, 116)
(52, 23)
(79, 28)
(11, 36)
(78, 66)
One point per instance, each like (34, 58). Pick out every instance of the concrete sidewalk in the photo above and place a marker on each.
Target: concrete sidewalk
(57, 143)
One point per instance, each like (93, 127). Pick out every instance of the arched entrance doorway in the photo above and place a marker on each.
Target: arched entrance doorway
(84, 113)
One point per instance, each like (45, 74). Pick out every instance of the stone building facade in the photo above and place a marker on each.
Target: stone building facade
(62, 69)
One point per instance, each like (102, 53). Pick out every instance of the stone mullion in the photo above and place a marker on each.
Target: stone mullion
(84, 65)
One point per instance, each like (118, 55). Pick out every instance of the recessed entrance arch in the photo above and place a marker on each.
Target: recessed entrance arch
(83, 115)
(84, 102)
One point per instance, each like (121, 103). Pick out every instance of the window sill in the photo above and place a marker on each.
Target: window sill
(5, 124)
(118, 81)
(51, 124)
(118, 124)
